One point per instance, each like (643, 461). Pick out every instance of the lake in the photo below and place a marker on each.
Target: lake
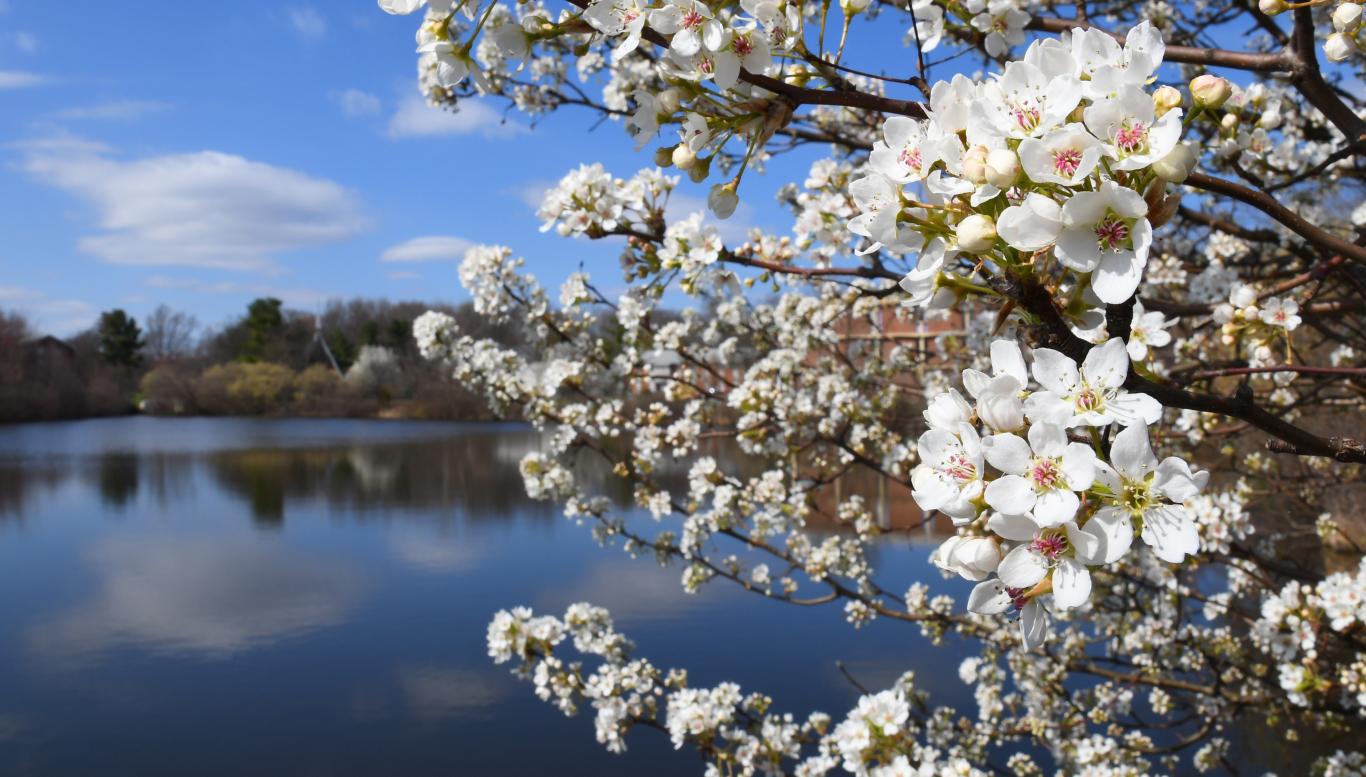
(310, 597)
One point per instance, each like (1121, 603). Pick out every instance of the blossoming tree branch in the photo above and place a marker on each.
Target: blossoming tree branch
(1146, 220)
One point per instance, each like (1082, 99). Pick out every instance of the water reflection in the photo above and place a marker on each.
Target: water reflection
(209, 597)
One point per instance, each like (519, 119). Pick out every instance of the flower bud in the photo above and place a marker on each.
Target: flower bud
(1346, 17)
(1242, 295)
(1222, 314)
(1176, 165)
(1210, 91)
(1229, 123)
(976, 233)
(1002, 168)
(722, 199)
(1272, 7)
(1250, 313)
(664, 156)
(684, 157)
(1338, 47)
(1166, 98)
(700, 170)
(852, 7)
(669, 101)
(975, 164)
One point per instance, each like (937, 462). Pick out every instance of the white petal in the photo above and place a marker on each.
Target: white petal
(1010, 494)
(1177, 481)
(1071, 584)
(1055, 372)
(1016, 528)
(1131, 454)
(1055, 507)
(1022, 568)
(1048, 439)
(1007, 452)
(1033, 625)
(1171, 534)
(989, 598)
(1107, 365)
(1111, 525)
(1006, 359)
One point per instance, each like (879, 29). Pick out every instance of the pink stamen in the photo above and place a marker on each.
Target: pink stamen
(1027, 117)
(692, 19)
(1112, 234)
(1089, 399)
(1131, 139)
(910, 157)
(742, 45)
(1049, 546)
(1066, 161)
(1046, 474)
(961, 469)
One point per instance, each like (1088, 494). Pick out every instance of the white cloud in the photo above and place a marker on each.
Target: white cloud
(301, 298)
(205, 209)
(191, 597)
(416, 119)
(357, 104)
(25, 42)
(433, 248)
(19, 79)
(49, 315)
(308, 22)
(113, 110)
(433, 692)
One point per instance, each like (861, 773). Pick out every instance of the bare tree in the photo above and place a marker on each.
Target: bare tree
(170, 333)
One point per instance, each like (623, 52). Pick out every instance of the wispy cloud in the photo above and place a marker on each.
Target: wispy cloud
(19, 79)
(205, 209)
(308, 22)
(416, 119)
(433, 248)
(24, 42)
(357, 104)
(112, 110)
(302, 298)
(55, 315)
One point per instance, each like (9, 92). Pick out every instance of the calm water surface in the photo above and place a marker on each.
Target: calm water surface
(231, 596)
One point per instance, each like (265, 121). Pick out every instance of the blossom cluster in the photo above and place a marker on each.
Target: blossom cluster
(1064, 149)
(1016, 486)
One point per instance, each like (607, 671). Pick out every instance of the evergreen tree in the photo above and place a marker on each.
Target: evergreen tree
(121, 339)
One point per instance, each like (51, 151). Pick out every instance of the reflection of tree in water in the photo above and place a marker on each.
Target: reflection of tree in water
(118, 479)
(473, 474)
(22, 480)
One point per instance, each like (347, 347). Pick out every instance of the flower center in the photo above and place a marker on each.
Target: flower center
(1089, 400)
(910, 157)
(1046, 473)
(706, 65)
(692, 19)
(1132, 137)
(1112, 234)
(1136, 496)
(960, 468)
(1027, 117)
(1050, 546)
(742, 45)
(1066, 161)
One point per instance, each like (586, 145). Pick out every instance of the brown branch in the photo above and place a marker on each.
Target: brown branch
(1268, 205)
(1033, 297)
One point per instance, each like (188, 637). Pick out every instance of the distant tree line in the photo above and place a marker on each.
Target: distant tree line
(355, 359)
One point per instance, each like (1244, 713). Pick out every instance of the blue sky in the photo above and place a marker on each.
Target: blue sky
(203, 154)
